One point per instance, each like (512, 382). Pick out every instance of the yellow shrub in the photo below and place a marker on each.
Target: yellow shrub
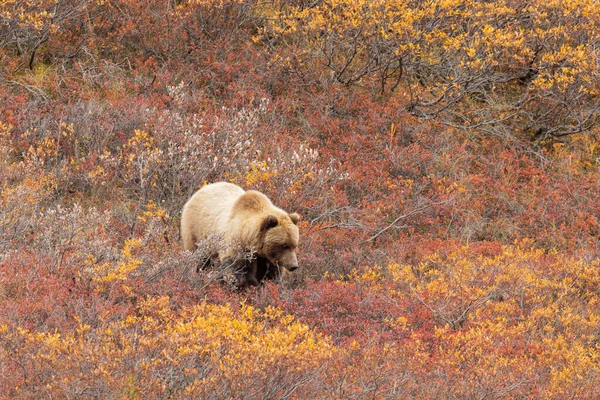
(198, 351)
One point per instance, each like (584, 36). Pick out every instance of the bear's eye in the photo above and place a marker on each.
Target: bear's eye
(284, 247)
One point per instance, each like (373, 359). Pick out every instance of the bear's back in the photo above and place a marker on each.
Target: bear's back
(207, 211)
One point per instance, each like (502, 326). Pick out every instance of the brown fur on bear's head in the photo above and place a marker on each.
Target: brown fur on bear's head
(273, 233)
(280, 240)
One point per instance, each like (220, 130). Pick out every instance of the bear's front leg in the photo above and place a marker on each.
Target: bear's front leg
(266, 270)
(244, 271)
(250, 273)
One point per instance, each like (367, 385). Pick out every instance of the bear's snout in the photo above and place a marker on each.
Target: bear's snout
(292, 268)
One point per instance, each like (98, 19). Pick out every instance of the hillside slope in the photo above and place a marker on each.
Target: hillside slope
(444, 156)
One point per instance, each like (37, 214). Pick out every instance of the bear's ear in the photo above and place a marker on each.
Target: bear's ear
(295, 217)
(268, 223)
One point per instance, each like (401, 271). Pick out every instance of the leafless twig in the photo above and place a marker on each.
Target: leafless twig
(400, 218)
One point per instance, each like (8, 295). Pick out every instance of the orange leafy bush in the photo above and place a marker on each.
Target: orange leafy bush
(444, 156)
(204, 350)
(497, 66)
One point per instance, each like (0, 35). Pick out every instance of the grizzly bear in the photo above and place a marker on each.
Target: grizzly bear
(244, 222)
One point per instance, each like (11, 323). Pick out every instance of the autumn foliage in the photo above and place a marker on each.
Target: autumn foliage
(444, 156)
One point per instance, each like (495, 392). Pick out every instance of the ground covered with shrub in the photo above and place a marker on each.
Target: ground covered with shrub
(444, 156)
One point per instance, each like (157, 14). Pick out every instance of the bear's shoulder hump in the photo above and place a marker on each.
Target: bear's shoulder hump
(252, 200)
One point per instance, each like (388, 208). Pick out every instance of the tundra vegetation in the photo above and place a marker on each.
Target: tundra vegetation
(444, 156)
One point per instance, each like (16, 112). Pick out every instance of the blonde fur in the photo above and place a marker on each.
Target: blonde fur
(240, 218)
(206, 213)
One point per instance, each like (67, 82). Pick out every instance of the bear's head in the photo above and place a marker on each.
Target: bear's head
(280, 239)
